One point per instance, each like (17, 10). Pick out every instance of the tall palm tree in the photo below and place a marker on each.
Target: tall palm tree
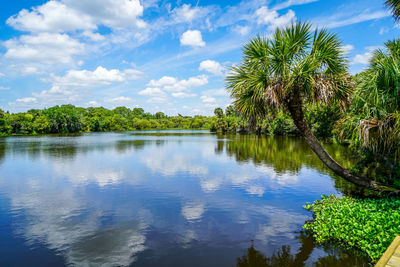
(394, 6)
(296, 65)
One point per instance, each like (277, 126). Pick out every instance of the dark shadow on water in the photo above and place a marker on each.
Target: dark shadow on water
(285, 257)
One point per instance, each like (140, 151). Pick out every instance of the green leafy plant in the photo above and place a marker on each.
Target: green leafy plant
(369, 225)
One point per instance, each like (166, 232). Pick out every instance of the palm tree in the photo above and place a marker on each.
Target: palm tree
(378, 101)
(296, 65)
(394, 6)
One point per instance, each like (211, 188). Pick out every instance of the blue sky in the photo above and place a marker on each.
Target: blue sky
(160, 55)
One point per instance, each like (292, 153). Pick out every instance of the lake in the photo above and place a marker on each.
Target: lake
(162, 198)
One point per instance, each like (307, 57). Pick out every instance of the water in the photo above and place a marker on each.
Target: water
(171, 198)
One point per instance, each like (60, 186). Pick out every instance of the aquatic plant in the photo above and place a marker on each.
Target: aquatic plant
(368, 224)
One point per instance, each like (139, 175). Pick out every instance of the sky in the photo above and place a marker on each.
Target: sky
(160, 55)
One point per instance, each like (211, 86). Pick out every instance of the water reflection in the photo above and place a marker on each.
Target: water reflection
(283, 256)
(156, 200)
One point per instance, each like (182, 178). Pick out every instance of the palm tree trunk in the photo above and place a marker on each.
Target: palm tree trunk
(295, 106)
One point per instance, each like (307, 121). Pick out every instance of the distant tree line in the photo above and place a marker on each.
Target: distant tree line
(70, 119)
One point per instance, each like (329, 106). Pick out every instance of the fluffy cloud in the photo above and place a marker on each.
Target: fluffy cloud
(4, 88)
(192, 38)
(153, 91)
(365, 57)
(116, 14)
(100, 76)
(73, 86)
(48, 48)
(272, 18)
(211, 66)
(177, 88)
(71, 15)
(51, 17)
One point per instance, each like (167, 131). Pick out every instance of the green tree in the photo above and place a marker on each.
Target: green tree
(295, 66)
(377, 103)
(160, 115)
(230, 111)
(219, 112)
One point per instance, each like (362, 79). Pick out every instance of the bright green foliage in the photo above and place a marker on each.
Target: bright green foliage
(366, 224)
(71, 119)
(279, 124)
(322, 119)
(375, 110)
(295, 61)
(219, 112)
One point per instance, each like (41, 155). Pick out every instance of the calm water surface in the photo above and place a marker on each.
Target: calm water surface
(167, 198)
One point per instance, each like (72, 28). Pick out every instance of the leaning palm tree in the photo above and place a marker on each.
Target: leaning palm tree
(295, 66)
(394, 6)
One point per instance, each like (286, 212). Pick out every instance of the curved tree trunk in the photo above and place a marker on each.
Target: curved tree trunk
(295, 106)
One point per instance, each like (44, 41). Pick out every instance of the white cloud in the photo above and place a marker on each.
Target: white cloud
(51, 17)
(242, 30)
(4, 88)
(347, 48)
(118, 100)
(290, 3)
(338, 20)
(100, 76)
(116, 14)
(26, 100)
(192, 38)
(94, 36)
(92, 104)
(362, 58)
(71, 15)
(165, 80)
(208, 99)
(48, 48)
(211, 66)
(153, 91)
(186, 13)
(28, 70)
(177, 88)
(365, 57)
(272, 19)
(2, 74)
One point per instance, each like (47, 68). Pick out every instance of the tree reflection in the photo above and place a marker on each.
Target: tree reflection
(284, 258)
(285, 153)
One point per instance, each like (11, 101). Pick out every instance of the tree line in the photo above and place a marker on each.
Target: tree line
(70, 119)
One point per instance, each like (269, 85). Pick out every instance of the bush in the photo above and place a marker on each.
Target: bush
(322, 119)
(369, 225)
